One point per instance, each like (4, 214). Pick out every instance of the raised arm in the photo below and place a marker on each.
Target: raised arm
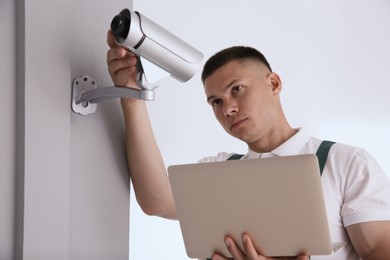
(145, 163)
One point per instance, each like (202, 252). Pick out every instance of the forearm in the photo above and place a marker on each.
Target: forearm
(145, 163)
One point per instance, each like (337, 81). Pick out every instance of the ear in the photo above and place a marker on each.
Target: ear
(275, 82)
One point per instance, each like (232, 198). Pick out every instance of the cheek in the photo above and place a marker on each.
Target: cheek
(219, 116)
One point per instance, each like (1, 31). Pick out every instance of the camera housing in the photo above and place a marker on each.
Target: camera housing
(156, 45)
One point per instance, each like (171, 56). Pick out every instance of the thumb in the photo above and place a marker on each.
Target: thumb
(111, 40)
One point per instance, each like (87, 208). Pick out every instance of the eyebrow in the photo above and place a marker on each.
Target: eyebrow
(226, 87)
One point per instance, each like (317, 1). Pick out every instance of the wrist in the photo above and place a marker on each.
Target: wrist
(132, 104)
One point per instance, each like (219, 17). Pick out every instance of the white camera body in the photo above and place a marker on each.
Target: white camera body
(150, 41)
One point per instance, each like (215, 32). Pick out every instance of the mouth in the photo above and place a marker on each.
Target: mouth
(237, 123)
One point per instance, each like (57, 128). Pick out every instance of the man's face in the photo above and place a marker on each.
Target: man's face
(245, 99)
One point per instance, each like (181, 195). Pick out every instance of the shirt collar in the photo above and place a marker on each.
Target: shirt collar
(290, 147)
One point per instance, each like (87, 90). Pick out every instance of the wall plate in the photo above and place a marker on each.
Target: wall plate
(82, 84)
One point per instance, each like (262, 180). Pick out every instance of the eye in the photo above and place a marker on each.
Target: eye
(216, 102)
(237, 88)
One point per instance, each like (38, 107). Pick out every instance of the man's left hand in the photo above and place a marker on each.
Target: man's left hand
(249, 252)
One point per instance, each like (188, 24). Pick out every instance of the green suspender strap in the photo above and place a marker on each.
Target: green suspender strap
(235, 156)
(322, 154)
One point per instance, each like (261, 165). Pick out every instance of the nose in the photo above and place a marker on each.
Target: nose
(230, 107)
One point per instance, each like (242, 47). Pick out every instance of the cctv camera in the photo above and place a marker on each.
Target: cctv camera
(150, 41)
(160, 54)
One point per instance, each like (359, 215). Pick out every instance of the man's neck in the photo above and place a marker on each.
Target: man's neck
(272, 141)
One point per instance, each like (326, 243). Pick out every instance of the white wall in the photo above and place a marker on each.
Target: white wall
(64, 186)
(332, 56)
(99, 181)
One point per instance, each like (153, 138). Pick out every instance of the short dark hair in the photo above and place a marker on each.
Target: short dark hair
(230, 54)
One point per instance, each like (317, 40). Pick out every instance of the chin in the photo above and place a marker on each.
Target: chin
(239, 136)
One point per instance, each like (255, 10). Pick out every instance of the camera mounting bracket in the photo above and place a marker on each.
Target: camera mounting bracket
(86, 94)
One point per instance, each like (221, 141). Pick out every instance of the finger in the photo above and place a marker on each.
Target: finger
(249, 248)
(124, 63)
(233, 249)
(118, 59)
(116, 53)
(218, 257)
(303, 257)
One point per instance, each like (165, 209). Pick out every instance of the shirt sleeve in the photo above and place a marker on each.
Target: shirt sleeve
(367, 190)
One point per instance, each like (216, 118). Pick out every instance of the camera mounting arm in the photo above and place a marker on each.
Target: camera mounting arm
(86, 94)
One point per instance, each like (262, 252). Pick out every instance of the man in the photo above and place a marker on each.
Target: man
(244, 95)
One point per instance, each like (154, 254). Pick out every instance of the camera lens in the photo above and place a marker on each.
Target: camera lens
(120, 25)
(116, 23)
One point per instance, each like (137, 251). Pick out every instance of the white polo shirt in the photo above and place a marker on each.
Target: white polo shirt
(355, 187)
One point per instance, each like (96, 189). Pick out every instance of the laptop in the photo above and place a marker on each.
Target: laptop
(278, 201)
